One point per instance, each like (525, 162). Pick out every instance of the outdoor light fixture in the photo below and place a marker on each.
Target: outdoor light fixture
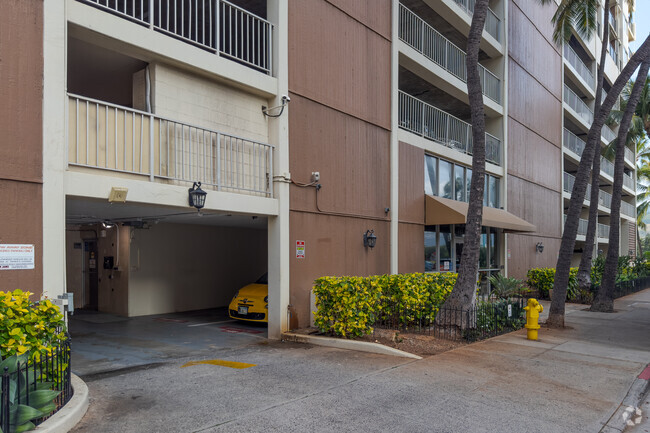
(197, 196)
(369, 239)
(539, 247)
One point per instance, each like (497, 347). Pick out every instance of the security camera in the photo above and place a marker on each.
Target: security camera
(286, 99)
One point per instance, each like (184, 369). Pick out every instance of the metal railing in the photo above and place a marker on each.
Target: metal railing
(617, 103)
(628, 209)
(492, 21)
(110, 137)
(426, 40)
(430, 122)
(582, 226)
(604, 199)
(606, 166)
(578, 105)
(21, 382)
(580, 67)
(629, 155)
(573, 142)
(603, 231)
(608, 134)
(215, 25)
(569, 181)
(628, 181)
(613, 55)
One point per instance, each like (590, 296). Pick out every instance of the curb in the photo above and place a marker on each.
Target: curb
(634, 398)
(360, 346)
(69, 415)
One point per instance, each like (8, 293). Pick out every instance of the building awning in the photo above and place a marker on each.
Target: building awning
(445, 211)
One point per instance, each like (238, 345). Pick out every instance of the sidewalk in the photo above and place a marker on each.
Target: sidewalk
(571, 380)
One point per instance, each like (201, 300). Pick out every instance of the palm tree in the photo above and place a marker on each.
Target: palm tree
(604, 300)
(464, 293)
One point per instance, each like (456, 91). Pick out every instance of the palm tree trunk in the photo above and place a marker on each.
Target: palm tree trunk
(556, 312)
(584, 270)
(464, 293)
(604, 301)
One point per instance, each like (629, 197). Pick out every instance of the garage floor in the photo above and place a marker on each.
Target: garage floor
(105, 344)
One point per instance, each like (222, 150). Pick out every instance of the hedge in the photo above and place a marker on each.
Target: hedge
(542, 279)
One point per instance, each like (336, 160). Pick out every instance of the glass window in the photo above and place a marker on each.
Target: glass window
(483, 252)
(485, 191)
(494, 192)
(430, 249)
(445, 180)
(445, 248)
(459, 187)
(469, 181)
(493, 248)
(430, 177)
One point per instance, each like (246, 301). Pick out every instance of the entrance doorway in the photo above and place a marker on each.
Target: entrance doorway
(89, 277)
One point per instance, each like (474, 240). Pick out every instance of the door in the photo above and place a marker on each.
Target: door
(90, 277)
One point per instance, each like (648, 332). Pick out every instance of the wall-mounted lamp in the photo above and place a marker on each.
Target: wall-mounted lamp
(285, 101)
(369, 239)
(539, 247)
(197, 196)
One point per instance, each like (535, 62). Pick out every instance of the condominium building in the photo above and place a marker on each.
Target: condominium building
(311, 124)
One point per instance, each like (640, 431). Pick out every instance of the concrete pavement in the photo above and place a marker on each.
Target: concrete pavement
(572, 380)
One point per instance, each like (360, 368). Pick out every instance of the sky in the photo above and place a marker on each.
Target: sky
(642, 20)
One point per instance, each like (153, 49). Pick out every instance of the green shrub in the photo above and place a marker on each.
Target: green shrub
(542, 279)
(348, 306)
(506, 287)
(28, 327)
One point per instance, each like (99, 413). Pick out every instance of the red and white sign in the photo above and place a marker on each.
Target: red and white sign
(300, 249)
(16, 256)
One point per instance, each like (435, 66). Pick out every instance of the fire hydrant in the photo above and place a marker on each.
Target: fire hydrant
(532, 317)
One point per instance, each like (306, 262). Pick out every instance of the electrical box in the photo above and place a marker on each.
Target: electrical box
(108, 262)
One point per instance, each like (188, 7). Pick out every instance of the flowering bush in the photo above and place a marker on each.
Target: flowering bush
(28, 327)
(542, 279)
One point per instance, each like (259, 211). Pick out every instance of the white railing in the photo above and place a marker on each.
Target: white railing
(216, 25)
(607, 166)
(423, 38)
(569, 181)
(603, 231)
(608, 134)
(577, 64)
(430, 122)
(111, 137)
(604, 199)
(628, 181)
(578, 105)
(492, 21)
(573, 142)
(628, 209)
(582, 226)
(629, 155)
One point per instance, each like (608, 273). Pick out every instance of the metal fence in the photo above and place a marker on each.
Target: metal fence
(52, 371)
(484, 320)
(423, 38)
(492, 21)
(581, 68)
(430, 122)
(578, 105)
(215, 25)
(111, 137)
(573, 142)
(628, 209)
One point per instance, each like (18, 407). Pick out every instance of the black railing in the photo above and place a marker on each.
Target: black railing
(624, 288)
(50, 372)
(484, 320)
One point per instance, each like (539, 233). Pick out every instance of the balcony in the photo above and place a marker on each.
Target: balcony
(583, 224)
(604, 198)
(119, 139)
(608, 134)
(573, 143)
(628, 181)
(613, 23)
(217, 26)
(629, 155)
(578, 105)
(603, 231)
(492, 21)
(434, 124)
(607, 167)
(628, 209)
(583, 70)
(426, 40)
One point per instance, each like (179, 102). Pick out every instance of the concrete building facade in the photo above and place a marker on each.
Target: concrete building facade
(122, 106)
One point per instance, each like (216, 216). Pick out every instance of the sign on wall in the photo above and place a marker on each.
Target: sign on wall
(300, 249)
(16, 256)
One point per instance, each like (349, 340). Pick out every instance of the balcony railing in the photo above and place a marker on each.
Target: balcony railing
(608, 134)
(573, 143)
(604, 199)
(628, 181)
(603, 231)
(617, 103)
(578, 105)
(492, 21)
(580, 67)
(628, 209)
(215, 25)
(629, 155)
(613, 22)
(582, 226)
(613, 55)
(430, 122)
(569, 180)
(607, 166)
(423, 38)
(110, 137)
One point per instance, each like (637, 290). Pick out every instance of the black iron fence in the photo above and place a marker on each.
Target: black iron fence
(624, 288)
(484, 320)
(27, 389)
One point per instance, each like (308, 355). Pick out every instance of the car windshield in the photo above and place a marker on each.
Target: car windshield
(264, 279)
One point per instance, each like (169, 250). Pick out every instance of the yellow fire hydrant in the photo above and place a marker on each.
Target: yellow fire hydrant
(533, 308)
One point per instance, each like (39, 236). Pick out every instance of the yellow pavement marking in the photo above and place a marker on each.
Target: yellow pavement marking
(221, 362)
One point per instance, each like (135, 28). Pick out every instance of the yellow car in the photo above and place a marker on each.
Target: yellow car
(251, 302)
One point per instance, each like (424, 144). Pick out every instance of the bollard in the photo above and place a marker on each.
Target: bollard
(533, 308)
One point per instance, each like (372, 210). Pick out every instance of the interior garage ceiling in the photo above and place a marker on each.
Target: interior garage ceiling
(80, 211)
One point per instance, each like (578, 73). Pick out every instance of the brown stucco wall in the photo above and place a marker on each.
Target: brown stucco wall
(339, 126)
(534, 136)
(21, 89)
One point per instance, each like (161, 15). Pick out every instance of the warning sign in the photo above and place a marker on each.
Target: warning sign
(16, 256)
(300, 249)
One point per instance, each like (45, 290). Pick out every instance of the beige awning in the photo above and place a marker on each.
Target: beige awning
(445, 211)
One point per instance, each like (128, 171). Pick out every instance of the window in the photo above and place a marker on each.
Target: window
(445, 181)
(493, 200)
(445, 248)
(459, 187)
(430, 177)
(430, 249)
